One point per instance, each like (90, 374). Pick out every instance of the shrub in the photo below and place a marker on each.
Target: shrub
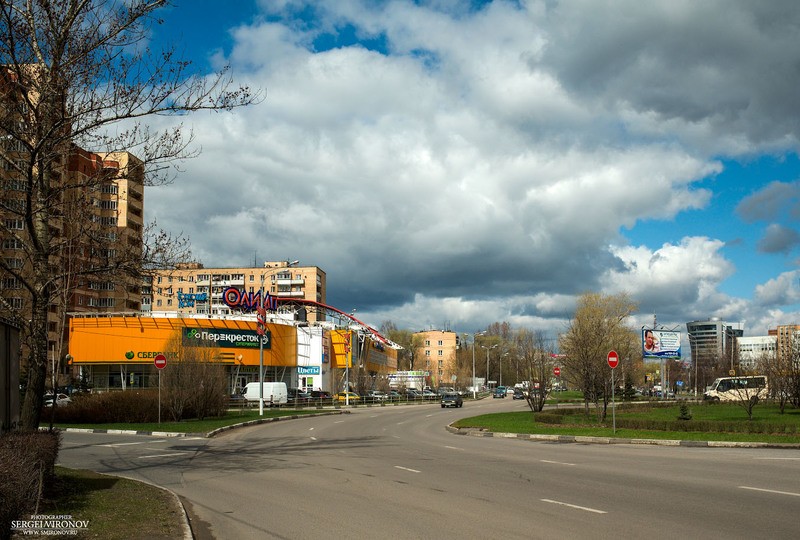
(27, 462)
(132, 406)
(685, 414)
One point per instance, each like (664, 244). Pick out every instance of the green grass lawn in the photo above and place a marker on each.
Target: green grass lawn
(579, 425)
(115, 508)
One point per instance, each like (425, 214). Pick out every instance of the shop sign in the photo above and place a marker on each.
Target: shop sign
(248, 301)
(308, 370)
(224, 338)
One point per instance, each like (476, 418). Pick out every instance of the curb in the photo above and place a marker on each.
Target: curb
(479, 432)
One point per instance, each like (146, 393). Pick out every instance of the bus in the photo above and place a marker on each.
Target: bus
(737, 388)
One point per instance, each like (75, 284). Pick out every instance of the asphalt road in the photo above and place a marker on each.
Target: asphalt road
(396, 472)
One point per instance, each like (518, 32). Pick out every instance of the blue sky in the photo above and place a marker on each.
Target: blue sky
(453, 166)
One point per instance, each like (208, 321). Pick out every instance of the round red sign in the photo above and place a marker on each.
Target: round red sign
(160, 361)
(613, 359)
(557, 371)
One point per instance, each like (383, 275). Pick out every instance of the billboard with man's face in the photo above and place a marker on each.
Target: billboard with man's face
(661, 344)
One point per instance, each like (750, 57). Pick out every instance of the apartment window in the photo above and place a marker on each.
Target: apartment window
(108, 221)
(427, 353)
(15, 224)
(169, 301)
(12, 243)
(16, 303)
(441, 364)
(158, 302)
(14, 263)
(101, 302)
(427, 343)
(10, 283)
(441, 343)
(159, 281)
(113, 189)
(441, 352)
(108, 205)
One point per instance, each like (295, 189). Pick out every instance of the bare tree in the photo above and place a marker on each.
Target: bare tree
(194, 379)
(77, 72)
(599, 326)
(537, 361)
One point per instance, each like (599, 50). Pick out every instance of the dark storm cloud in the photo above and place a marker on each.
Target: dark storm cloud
(771, 202)
(778, 239)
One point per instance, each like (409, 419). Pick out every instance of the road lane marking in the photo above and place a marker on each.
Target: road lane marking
(313, 438)
(163, 455)
(453, 448)
(556, 462)
(406, 469)
(574, 506)
(780, 458)
(112, 445)
(771, 491)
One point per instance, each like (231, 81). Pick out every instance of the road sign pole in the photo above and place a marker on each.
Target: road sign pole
(160, 361)
(613, 361)
(613, 406)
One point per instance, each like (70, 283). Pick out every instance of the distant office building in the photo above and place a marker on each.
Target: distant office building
(752, 349)
(192, 289)
(713, 346)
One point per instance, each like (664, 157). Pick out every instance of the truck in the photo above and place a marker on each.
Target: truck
(275, 393)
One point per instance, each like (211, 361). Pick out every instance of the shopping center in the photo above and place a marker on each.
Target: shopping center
(118, 351)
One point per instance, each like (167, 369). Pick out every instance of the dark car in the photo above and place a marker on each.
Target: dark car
(452, 400)
(393, 395)
(518, 393)
(320, 395)
(499, 392)
(297, 395)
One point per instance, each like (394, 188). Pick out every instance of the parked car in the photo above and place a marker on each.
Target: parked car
(61, 400)
(413, 394)
(298, 395)
(393, 395)
(499, 392)
(343, 397)
(317, 395)
(375, 396)
(452, 400)
(509, 390)
(429, 394)
(518, 394)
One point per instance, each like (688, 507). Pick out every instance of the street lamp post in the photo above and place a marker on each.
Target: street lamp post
(474, 388)
(501, 367)
(487, 361)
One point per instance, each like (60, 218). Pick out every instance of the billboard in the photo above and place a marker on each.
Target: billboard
(661, 344)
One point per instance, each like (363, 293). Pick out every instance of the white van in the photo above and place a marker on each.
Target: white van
(274, 392)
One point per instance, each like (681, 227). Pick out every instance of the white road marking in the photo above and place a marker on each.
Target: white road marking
(780, 458)
(453, 448)
(771, 491)
(112, 445)
(574, 506)
(313, 438)
(406, 469)
(163, 455)
(311, 429)
(556, 462)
